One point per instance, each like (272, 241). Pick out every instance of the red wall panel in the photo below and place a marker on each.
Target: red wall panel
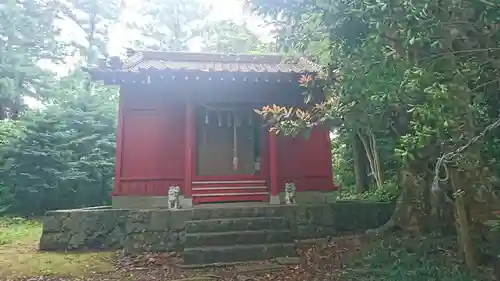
(152, 147)
(307, 162)
(148, 187)
(153, 144)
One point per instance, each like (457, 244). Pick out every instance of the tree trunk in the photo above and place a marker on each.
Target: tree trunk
(376, 159)
(3, 111)
(400, 218)
(16, 107)
(360, 163)
(412, 213)
(463, 228)
(372, 156)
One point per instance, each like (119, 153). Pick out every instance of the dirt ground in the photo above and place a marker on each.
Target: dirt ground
(20, 260)
(319, 260)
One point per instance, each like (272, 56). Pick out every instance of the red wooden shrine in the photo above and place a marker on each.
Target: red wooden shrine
(187, 119)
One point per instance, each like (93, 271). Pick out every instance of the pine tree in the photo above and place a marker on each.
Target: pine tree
(94, 18)
(229, 37)
(27, 36)
(61, 156)
(169, 25)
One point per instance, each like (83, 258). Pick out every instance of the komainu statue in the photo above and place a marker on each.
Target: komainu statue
(173, 197)
(290, 193)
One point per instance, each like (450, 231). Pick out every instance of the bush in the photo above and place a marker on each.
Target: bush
(59, 157)
(394, 258)
(387, 193)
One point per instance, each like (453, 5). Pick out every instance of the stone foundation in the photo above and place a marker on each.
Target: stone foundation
(147, 202)
(307, 197)
(161, 230)
(318, 221)
(154, 202)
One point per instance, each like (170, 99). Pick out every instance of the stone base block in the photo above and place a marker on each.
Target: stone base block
(147, 202)
(142, 228)
(307, 197)
(275, 200)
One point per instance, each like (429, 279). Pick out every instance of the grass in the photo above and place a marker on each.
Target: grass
(19, 255)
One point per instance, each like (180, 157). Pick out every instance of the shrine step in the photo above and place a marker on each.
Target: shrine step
(236, 224)
(229, 191)
(230, 197)
(261, 236)
(237, 253)
(238, 238)
(245, 184)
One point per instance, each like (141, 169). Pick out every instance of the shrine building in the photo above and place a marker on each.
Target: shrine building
(188, 120)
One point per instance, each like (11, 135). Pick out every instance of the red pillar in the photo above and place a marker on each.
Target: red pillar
(188, 169)
(273, 163)
(119, 142)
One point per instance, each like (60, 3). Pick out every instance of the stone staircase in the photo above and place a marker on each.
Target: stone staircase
(237, 235)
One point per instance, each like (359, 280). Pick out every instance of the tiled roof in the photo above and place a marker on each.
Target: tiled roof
(211, 62)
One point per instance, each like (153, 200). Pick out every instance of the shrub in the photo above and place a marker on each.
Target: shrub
(387, 193)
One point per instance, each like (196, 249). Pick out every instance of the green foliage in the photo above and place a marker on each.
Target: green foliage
(415, 77)
(229, 37)
(61, 156)
(169, 25)
(6, 199)
(27, 35)
(396, 258)
(93, 18)
(8, 129)
(176, 25)
(343, 164)
(386, 193)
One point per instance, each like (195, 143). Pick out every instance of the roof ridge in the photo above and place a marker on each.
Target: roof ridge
(311, 63)
(137, 60)
(132, 60)
(183, 55)
(135, 56)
